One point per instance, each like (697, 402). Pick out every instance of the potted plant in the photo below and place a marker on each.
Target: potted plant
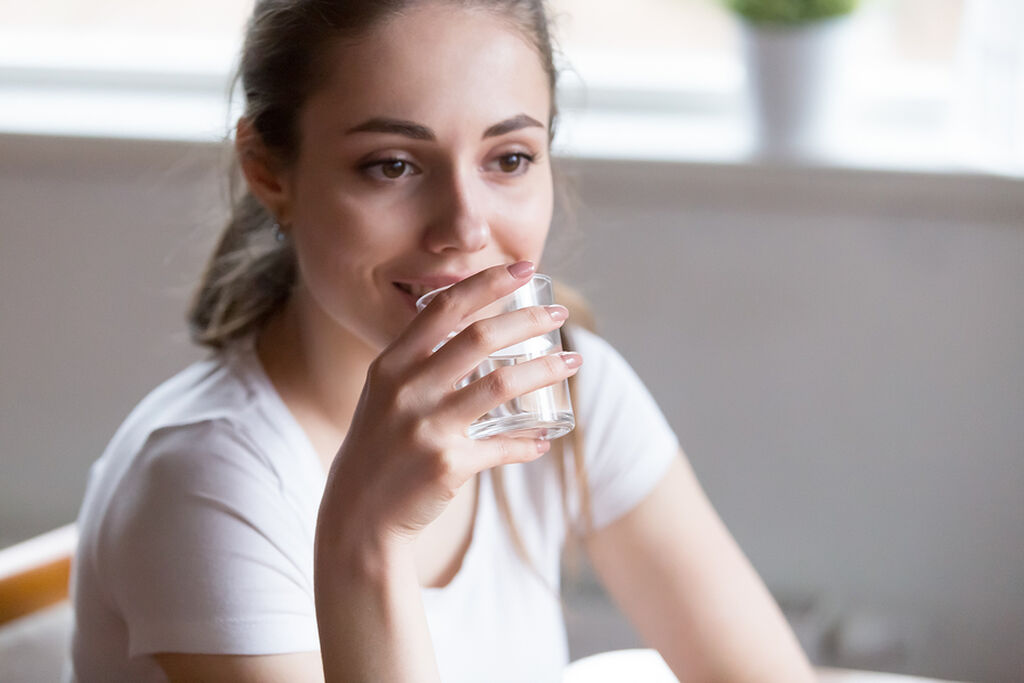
(793, 50)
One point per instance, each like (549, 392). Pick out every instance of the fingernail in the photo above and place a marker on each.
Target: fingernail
(557, 313)
(571, 360)
(543, 446)
(521, 269)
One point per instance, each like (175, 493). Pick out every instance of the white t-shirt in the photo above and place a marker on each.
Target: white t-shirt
(196, 532)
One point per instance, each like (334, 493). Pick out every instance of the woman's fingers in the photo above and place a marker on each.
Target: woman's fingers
(464, 352)
(448, 311)
(504, 450)
(509, 382)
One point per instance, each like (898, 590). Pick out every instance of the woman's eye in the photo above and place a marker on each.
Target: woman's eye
(393, 169)
(510, 163)
(389, 169)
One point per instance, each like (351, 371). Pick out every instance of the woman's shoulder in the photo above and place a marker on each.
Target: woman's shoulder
(627, 441)
(604, 369)
(217, 404)
(609, 389)
(199, 495)
(591, 345)
(219, 386)
(205, 432)
(206, 391)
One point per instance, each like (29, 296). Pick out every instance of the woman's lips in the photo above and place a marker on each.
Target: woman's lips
(406, 295)
(416, 287)
(415, 290)
(412, 292)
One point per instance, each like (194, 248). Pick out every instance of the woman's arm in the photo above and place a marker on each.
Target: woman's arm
(676, 572)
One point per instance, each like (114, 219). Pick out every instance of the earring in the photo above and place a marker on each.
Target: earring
(279, 234)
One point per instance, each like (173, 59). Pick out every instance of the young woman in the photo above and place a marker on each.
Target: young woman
(306, 505)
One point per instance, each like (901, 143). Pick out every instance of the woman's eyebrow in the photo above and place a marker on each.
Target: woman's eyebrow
(517, 122)
(394, 127)
(417, 131)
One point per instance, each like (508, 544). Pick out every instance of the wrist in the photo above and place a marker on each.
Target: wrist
(359, 549)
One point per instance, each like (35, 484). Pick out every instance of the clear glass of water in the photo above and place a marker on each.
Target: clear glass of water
(542, 414)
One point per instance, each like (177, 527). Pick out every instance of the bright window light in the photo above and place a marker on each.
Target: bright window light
(667, 60)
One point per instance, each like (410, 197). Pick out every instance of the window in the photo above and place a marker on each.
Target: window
(666, 61)
(686, 54)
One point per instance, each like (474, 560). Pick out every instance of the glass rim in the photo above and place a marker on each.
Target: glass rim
(425, 300)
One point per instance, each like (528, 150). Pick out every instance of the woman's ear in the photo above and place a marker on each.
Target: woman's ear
(263, 173)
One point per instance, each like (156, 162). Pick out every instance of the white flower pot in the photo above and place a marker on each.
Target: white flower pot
(795, 77)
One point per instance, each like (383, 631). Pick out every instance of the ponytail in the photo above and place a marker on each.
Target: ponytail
(248, 277)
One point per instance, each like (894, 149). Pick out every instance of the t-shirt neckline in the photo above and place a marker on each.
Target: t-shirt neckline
(280, 417)
(481, 518)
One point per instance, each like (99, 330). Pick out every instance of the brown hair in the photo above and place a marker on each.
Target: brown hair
(250, 275)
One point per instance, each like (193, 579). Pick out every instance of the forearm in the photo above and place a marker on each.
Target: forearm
(678, 574)
(745, 635)
(734, 627)
(370, 616)
(724, 628)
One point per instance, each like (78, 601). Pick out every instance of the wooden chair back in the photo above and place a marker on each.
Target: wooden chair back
(34, 573)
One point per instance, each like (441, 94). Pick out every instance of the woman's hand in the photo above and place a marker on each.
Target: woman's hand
(406, 454)
(405, 457)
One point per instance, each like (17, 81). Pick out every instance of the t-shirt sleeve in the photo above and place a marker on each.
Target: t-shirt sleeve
(205, 553)
(628, 442)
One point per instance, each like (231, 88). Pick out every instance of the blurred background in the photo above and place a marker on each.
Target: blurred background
(823, 293)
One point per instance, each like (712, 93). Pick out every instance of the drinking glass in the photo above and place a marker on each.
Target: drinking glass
(545, 413)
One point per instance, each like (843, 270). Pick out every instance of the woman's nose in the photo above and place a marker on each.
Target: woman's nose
(458, 223)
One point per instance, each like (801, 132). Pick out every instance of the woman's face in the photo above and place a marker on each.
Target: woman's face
(424, 159)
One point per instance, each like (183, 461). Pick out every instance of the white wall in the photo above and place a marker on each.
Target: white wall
(99, 246)
(840, 353)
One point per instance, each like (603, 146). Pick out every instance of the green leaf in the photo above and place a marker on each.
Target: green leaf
(789, 11)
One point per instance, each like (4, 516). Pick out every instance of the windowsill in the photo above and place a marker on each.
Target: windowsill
(726, 139)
